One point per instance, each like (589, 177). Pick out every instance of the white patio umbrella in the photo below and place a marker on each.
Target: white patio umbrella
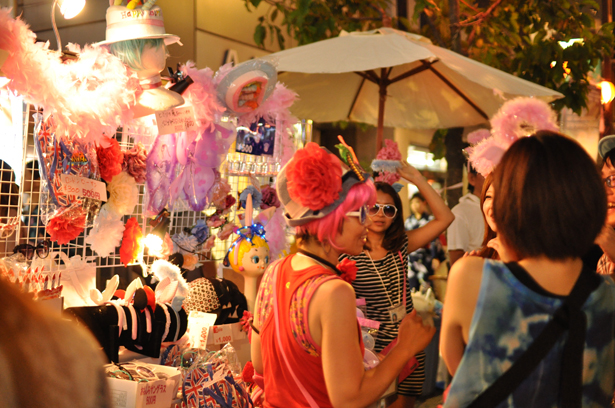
(425, 86)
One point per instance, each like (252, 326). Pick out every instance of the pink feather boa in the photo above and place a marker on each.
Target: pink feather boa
(202, 96)
(517, 118)
(88, 97)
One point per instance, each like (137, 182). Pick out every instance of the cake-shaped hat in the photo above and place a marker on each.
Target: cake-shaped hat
(124, 24)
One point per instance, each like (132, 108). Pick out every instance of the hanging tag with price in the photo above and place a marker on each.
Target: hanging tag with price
(198, 328)
(83, 187)
(222, 334)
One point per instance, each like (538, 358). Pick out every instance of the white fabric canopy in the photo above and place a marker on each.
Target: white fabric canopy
(340, 79)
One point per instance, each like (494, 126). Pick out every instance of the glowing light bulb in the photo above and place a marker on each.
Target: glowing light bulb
(70, 8)
(607, 91)
(153, 243)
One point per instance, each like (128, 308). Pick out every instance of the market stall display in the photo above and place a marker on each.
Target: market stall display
(136, 173)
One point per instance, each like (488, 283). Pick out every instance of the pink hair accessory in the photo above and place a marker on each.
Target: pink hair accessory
(478, 136)
(202, 96)
(519, 117)
(387, 162)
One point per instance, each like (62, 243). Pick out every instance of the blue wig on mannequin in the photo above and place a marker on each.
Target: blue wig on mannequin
(130, 51)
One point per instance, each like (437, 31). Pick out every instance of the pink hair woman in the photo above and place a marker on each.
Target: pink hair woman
(309, 347)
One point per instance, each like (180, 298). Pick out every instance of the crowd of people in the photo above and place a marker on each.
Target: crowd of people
(528, 318)
(529, 313)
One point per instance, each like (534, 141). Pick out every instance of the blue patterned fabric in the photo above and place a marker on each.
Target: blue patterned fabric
(507, 319)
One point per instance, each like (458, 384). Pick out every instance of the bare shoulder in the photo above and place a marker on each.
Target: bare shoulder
(464, 281)
(333, 298)
(337, 290)
(468, 266)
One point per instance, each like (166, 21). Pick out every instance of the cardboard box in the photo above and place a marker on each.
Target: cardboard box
(152, 394)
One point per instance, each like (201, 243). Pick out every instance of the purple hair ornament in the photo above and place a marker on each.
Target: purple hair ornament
(196, 177)
(160, 165)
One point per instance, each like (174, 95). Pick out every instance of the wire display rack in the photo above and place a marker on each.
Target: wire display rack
(239, 169)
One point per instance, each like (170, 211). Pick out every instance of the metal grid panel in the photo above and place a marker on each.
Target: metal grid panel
(239, 169)
(12, 118)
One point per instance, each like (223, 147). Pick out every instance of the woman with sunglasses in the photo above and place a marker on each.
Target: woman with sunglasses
(307, 342)
(383, 266)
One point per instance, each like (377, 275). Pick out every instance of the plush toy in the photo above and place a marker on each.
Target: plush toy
(249, 254)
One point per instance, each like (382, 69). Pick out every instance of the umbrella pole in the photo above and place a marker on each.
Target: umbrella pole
(381, 100)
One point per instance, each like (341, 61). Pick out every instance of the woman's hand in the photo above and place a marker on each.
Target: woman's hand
(474, 252)
(505, 253)
(413, 335)
(409, 173)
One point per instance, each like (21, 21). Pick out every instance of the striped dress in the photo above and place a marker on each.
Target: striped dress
(368, 286)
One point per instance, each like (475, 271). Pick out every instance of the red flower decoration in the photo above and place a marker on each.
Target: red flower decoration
(245, 321)
(248, 372)
(134, 162)
(270, 198)
(314, 177)
(131, 242)
(67, 225)
(349, 270)
(110, 159)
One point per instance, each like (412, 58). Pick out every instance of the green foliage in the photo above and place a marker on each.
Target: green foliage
(437, 145)
(522, 37)
(307, 21)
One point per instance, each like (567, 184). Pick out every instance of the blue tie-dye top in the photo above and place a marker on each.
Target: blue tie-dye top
(507, 319)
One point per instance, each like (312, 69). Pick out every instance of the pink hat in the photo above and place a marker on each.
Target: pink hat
(138, 24)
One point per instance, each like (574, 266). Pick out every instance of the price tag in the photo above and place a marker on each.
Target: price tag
(223, 334)
(83, 187)
(198, 328)
(176, 120)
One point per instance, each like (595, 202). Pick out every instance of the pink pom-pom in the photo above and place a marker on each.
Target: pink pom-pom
(486, 155)
(390, 151)
(387, 177)
(517, 118)
(521, 117)
(478, 135)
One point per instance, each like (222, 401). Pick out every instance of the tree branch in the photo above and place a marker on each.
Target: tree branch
(480, 17)
(469, 6)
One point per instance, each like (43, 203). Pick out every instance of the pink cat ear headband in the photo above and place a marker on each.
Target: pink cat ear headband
(519, 117)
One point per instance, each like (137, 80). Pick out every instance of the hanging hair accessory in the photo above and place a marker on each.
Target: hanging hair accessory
(519, 117)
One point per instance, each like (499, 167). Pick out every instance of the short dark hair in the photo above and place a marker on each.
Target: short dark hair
(394, 235)
(548, 197)
(419, 196)
(610, 157)
(471, 170)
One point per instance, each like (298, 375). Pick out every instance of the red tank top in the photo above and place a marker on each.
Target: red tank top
(281, 389)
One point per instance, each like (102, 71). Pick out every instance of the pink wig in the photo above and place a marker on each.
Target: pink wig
(328, 227)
